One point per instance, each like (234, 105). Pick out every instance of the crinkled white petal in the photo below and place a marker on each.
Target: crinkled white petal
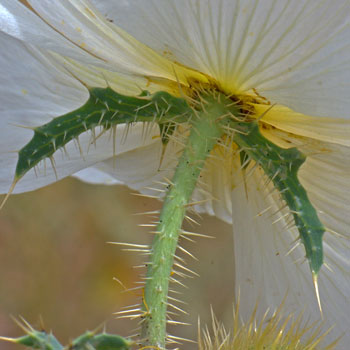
(33, 93)
(140, 169)
(295, 53)
(20, 22)
(264, 273)
(333, 130)
(76, 23)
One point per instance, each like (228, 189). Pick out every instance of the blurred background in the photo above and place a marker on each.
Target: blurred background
(55, 263)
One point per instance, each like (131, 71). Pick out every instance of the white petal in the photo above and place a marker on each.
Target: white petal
(294, 53)
(325, 129)
(77, 24)
(95, 176)
(31, 95)
(326, 176)
(84, 155)
(20, 22)
(126, 84)
(264, 273)
(144, 168)
(141, 168)
(215, 185)
(326, 171)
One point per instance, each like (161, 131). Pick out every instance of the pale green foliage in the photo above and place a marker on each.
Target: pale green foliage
(88, 341)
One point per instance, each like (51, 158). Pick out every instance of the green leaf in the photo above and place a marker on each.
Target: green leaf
(103, 341)
(39, 340)
(282, 166)
(105, 108)
(87, 341)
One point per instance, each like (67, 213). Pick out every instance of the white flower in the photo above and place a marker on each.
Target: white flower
(295, 54)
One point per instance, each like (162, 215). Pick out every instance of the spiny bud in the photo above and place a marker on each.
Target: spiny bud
(271, 333)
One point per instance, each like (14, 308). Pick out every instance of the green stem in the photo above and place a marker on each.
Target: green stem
(206, 130)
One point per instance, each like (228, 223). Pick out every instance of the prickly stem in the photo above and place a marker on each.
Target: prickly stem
(205, 131)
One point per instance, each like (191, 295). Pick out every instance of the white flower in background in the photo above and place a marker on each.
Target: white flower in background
(294, 54)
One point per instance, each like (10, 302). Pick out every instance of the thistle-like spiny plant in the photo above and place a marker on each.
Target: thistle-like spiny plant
(232, 108)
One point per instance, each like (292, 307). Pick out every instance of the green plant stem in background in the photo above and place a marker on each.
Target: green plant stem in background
(205, 132)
